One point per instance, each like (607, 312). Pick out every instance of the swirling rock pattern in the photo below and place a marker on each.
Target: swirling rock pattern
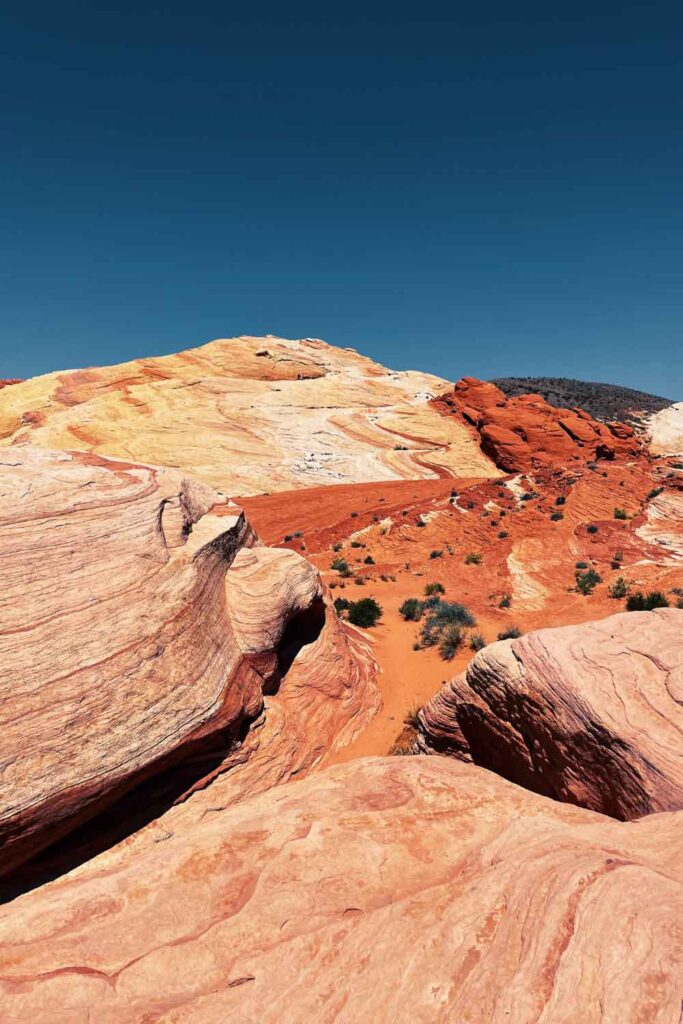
(589, 714)
(248, 415)
(141, 621)
(404, 889)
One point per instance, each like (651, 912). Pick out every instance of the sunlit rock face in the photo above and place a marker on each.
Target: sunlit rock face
(666, 431)
(526, 432)
(590, 714)
(249, 415)
(403, 889)
(142, 623)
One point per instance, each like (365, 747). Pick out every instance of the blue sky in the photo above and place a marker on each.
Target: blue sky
(486, 189)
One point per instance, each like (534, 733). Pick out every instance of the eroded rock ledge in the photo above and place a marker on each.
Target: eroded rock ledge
(590, 714)
(140, 623)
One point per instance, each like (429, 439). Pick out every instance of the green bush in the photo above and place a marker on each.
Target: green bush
(560, 500)
(477, 642)
(505, 601)
(640, 602)
(369, 560)
(587, 581)
(341, 605)
(591, 528)
(620, 513)
(511, 633)
(654, 493)
(502, 535)
(619, 588)
(472, 558)
(366, 612)
(556, 516)
(411, 609)
(441, 615)
(451, 641)
(341, 566)
(436, 554)
(434, 588)
(581, 565)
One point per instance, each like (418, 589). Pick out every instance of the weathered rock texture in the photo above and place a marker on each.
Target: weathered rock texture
(589, 714)
(526, 432)
(666, 431)
(250, 414)
(141, 623)
(406, 889)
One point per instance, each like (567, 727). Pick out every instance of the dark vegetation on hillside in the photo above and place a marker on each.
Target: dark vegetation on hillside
(602, 401)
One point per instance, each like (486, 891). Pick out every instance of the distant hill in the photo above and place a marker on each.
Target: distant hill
(603, 401)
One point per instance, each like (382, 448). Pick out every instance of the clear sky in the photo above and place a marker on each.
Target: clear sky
(486, 188)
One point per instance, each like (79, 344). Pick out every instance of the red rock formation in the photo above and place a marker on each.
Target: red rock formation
(587, 714)
(8, 381)
(526, 432)
(141, 623)
(406, 889)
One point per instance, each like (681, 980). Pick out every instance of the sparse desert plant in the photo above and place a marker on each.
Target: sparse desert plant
(341, 605)
(369, 560)
(441, 615)
(556, 516)
(640, 602)
(337, 546)
(477, 642)
(619, 588)
(620, 513)
(581, 565)
(591, 528)
(502, 534)
(288, 537)
(451, 641)
(359, 581)
(341, 566)
(366, 612)
(412, 717)
(505, 601)
(357, 544)
(654, 493)
(404, 746)
(472, 558)
(411, 609)
(511, 633)
(434, 588)
(560, 499)
(435, 554)
(587, 581)
(354, 515)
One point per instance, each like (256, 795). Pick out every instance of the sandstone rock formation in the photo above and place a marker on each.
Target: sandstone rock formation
(141, 624)
(405, 889)
(590, 714)
(248, 415)
(526, 432)
(666, 431)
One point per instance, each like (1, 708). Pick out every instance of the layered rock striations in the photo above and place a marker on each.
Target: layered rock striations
(248, 415)
(666, 431)
(404, 889)
(590, 714)
(141, 623)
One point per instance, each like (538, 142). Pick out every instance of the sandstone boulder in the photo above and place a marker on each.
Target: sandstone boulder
(589, 714)
(140, 624)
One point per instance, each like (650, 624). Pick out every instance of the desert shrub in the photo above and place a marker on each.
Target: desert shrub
(341, 566)
(527, 496)
(359, 581)
(556, 516)
(591, 528)
(581, 565)
(366, 612)
(620, 513)
(288, 537)
(356, 544)
(354, 515)
(640, 602)
(452, 639)
(511, 633)
(420, 521)
(337, 546)
(560, 500)
(404, 746)
(502, 534)
(436, 554)
(369, 560)
(400, 448)
(298, 534)
(411, 609)
(341, 605)
(477, 642)
(655, 492)
(505, 601)
(587, 581)
(472, 558)
(434, 588)
(454, 493)
(417, 646)
(440, 616)
(619, 588)
(412, 717)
